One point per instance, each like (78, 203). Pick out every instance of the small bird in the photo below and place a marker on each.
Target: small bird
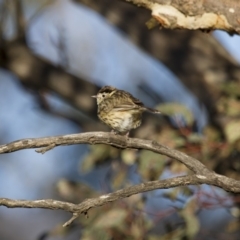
(120, 110)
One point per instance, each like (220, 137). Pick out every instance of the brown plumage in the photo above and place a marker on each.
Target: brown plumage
(120, 110)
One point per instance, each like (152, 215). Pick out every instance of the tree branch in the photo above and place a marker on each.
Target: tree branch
(47, 143)
(82, 208)
(188, 14)
(20, 20)
(202, 174)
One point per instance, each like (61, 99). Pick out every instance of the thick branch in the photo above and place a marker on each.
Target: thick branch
(188, 14)
(48, 143)
(193, 164)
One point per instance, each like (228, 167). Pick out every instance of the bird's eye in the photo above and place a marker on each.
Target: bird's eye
(103, 95)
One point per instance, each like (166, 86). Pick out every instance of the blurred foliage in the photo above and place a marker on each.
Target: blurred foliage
(176, 192)
(188, 213)
(171, 109)
(152, 23)
(150, 165)
(98, 154)
(233, 226)
(218, 147)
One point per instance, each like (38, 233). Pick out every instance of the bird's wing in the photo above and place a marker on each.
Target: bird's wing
(127, 102)
(120, 101)
(133, 100)
(124, 108)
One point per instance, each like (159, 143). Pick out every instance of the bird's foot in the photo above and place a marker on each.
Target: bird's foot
(127, 135)
(122, 134)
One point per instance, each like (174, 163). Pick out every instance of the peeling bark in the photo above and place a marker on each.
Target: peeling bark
(192, 15)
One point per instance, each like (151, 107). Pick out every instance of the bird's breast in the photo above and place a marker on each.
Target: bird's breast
(121, 121)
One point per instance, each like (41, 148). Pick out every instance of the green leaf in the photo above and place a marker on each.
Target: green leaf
(95, 234)
(119, 179)
(171, 138)
(98, 154)
(195, 138)
(152, 23)
(231, 88)
(129, 156)
(151, 165)
(191, 220)
(113, 218)
(171, 109)
(232, 131)
(229, 106)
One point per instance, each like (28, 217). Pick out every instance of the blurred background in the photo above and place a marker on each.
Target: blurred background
(53, 56)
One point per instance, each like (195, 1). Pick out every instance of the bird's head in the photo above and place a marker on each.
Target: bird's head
(103, 93)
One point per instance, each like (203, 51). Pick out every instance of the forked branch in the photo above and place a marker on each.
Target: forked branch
(201, 175)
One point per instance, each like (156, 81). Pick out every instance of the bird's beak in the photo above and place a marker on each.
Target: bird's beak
(94, 96)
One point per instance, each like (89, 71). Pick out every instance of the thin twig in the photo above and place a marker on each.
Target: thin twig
(85, 206)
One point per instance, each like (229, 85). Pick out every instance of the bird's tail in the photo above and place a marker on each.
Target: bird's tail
(152, 110)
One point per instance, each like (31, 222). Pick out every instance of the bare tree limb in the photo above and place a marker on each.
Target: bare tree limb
(202, 174)
(19, 19)
(83, 207)
(178, 14)
(47, 143)
(188, 14)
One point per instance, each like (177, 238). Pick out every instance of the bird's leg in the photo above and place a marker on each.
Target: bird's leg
(126, 135)
(116, 133)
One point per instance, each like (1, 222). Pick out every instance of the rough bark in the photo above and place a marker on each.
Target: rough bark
(192, 15)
